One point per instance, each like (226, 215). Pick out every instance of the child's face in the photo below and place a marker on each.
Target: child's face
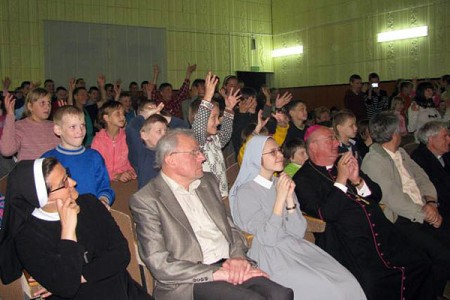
(299, 112)
(116, 118)
(61, 95)
(166, 93)
(356, 85)
(94, 95)
(213, 121)
(40, 109)
(348, 129)
(126, 102)
(399, 106)
(71, 130)
(300, 156)
(153, 133)
(82, 97)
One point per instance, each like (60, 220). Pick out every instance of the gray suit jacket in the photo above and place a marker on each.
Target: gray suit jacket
(167, 243)
(381, 168)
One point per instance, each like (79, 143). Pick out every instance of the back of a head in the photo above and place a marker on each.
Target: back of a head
(383, 126)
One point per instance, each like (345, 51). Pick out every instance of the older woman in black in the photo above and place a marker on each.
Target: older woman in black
(68, 243)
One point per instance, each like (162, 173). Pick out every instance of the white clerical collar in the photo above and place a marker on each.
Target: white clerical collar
(46, 216)
(329, 167)
(263, 182)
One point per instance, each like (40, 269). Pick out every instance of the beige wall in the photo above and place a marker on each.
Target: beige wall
(215, 34)
(339, 39)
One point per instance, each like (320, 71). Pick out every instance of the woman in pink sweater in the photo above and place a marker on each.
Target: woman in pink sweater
(30, 137)
(111, 142)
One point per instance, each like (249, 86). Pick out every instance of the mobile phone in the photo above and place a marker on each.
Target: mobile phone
(375, 84)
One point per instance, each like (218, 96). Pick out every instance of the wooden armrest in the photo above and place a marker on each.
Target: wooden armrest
(315, 224)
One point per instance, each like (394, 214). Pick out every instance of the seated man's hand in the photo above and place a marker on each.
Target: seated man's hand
(432, 215)
(255, 272)
(42, 293)
(237, 268)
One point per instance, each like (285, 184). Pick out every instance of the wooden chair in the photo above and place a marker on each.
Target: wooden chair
(124, 191)
(232, 173)
(135, 268)
(230, 159)
(3, 184)
(12, 291)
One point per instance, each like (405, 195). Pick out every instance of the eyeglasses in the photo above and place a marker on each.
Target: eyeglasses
(274, 152)
(194, 153)
(66, 183)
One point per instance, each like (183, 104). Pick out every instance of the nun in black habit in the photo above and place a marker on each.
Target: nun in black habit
(69, 243)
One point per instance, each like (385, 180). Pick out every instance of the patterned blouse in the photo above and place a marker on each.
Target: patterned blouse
(212, 145)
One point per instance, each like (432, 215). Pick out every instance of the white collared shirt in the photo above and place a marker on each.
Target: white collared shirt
(213, 243)
(409, 185)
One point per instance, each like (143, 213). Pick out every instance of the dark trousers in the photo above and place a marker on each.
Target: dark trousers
(435, 243)
(257, 288)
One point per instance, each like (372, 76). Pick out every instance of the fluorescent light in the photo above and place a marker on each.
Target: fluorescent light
(403, 34)
(287, 51)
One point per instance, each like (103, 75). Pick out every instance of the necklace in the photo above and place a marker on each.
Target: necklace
(349, 191)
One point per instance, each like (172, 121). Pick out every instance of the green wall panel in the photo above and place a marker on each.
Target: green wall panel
(215, 34)
(339, 39)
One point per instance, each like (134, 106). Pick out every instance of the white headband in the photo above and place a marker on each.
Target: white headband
(39, 182)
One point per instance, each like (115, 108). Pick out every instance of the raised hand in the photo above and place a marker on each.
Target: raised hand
(6, 83)
(101, 80)
(9, 103)
(232, 99)
(282, 118)
(190, 69)
(210, 86)
(261, 122)
(117, 90)
(147, 112)
(71, 84)
(156, 69)
(283, 100)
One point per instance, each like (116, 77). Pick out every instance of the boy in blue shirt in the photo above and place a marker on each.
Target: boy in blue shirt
(86, 166)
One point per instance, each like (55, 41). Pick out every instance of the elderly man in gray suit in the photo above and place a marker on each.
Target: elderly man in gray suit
(190, 245)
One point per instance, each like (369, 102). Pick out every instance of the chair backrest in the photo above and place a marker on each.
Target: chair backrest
(124, 191)
(232, 173)
(11, 291)
(230, 159)
(409, 148)
(3, 184)
(125, 225)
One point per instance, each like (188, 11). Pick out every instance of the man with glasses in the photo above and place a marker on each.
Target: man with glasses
(330, 186)
(186, 239)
